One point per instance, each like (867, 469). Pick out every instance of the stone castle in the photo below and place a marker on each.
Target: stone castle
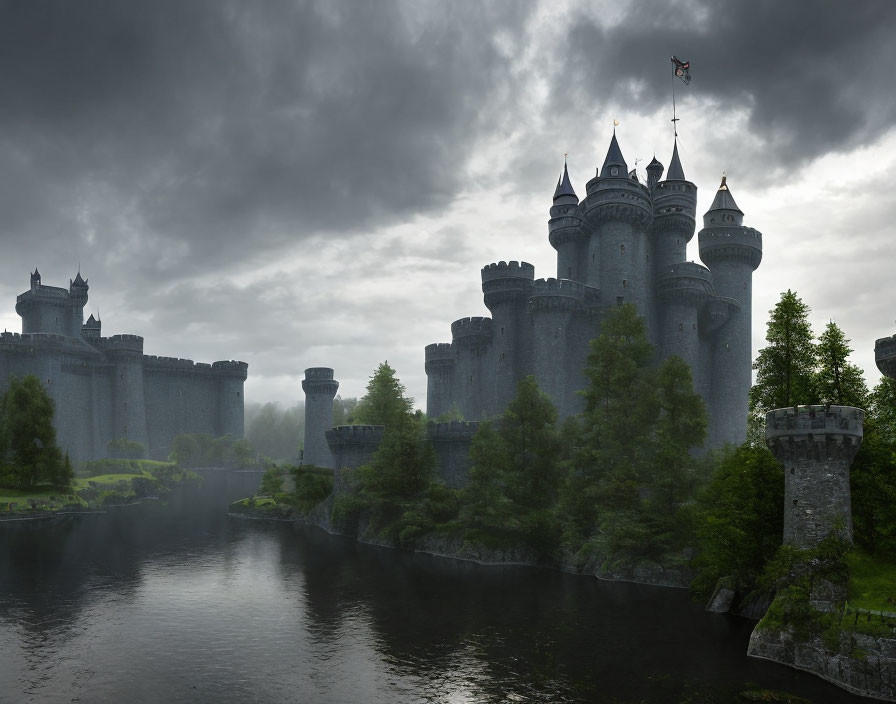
(105, 388)
(624, 242)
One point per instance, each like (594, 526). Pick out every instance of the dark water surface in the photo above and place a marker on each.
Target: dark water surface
(178, 602)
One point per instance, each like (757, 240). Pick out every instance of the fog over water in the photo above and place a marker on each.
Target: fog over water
(178, 602)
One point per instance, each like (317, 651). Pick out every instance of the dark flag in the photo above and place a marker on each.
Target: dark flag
(682, 69)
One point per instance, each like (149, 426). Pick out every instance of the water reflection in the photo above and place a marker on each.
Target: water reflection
(179, 602)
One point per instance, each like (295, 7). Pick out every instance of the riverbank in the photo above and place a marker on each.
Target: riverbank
(131, 482)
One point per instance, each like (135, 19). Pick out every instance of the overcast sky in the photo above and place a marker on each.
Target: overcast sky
(299, 184)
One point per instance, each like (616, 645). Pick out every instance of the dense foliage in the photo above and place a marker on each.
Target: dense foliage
(29, 455)
(202, 450)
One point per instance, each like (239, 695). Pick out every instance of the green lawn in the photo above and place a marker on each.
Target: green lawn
(84, 482)
(872, 582)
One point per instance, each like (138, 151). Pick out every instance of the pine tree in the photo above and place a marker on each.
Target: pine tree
(838, 382)
(785, 368)
(28, 436)
(385, 402)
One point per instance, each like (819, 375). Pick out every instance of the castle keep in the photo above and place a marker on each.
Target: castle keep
(624, 242)
(105, 388)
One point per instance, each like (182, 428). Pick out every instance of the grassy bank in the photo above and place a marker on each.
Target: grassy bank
(128, 481)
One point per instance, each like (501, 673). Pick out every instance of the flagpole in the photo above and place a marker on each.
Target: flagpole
(674, 116)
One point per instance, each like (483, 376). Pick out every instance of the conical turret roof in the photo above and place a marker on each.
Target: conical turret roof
(676, 173)
(614, 160)
(724, 200)
(564, 187)
(78, 280)
(655, 165)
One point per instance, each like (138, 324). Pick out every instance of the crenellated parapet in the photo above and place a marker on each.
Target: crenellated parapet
(885, 356)
(622, 201)
(816, 445)
(506, 282)
(474, 331)
(231, 368)
(730, 243)
(687, 283)
(452, 431)
(438, 354)
(558, 294)
(675, 208)
(319, 380)
(118, 345)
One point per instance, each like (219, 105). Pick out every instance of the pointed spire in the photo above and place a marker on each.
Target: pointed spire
(564, 187)
(724, 200)
(676, 173)
(78, 280)
(613, 161)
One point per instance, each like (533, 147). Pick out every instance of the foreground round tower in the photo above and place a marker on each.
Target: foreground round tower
(320, 390)
(816, 445)
(506, 288)
(732, 252)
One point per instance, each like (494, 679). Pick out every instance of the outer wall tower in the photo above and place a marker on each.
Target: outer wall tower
(231, 376)
(506, 288)
(320, 390)
(129, 407)
(816, 445)
(439, 378)
(732, 252)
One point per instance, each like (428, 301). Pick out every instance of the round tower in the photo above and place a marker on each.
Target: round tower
(732, 252)
(565, 230)
(45, 309)
(674, 215)
(439, 367)
(816, 445)
(618, 210)
(231, 376)
(471, 339)
(683, 289)
(885, 356)
(506, 288)
(125, 352)
(553, 305)
(320, 390)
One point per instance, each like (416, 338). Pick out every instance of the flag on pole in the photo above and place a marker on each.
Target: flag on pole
(682, 69)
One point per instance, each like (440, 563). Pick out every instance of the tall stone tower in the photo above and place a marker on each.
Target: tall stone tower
(320, 390)
(816, 445)
(732, 252)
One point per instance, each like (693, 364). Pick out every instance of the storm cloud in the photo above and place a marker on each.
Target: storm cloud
(317, 183)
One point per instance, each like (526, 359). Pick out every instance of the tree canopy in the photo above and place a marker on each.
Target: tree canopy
(28, 439)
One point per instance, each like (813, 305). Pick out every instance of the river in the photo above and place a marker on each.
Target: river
(177, 602)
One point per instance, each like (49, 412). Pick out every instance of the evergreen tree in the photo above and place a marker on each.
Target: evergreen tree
(681, 426)
(785, 368)
(27, 435)
(385, 402)
(873, 477)
(738, 519)
(484, 499)
(838, 382)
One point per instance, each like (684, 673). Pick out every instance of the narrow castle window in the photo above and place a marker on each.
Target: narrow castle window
(622, 249)
(569, 273)
(795, 502)
(624, 283)
(695, 326)
(619, 300)
(679, 326)
(745, 284)
(502, 330)
(237, 394)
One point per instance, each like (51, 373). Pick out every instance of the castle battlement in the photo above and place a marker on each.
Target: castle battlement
(730, 242)
(231, 367)
(475, 326)
(439, 352)
(687, 282)
(885, 355)
(559, 287)
(355, 434)
(318, 374)
(50, 294)
(815, 423)
(455, 430)
(816, 445)
(504, 270)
